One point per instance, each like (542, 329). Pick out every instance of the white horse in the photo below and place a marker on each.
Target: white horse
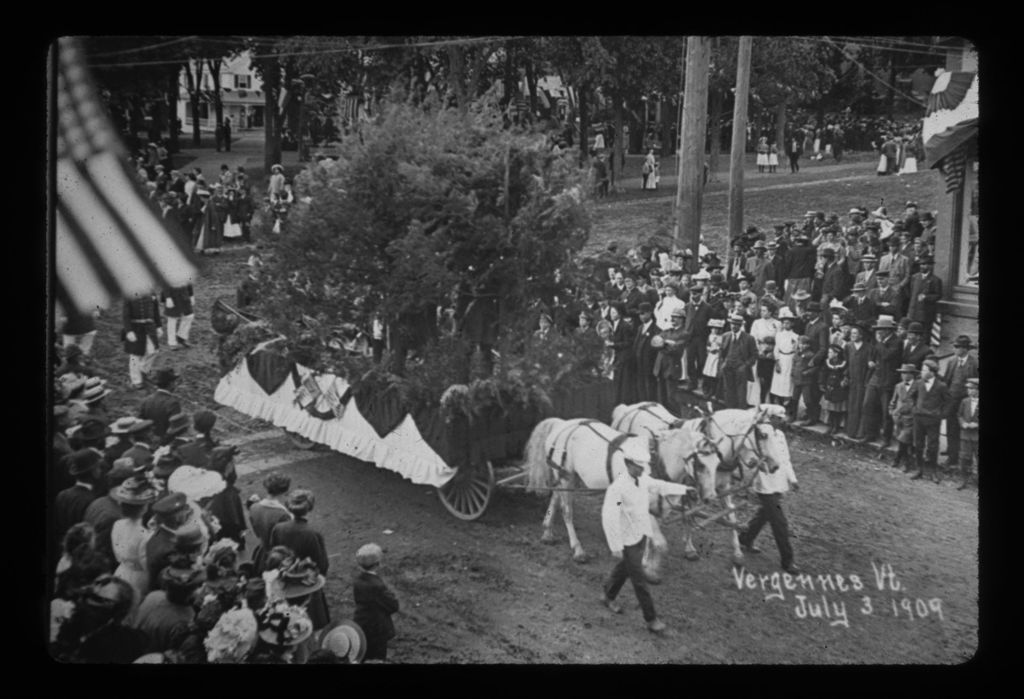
(560, 454)
(742, 441)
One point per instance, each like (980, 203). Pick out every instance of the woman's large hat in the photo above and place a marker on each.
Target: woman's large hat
(135, 491)
(195, 483)
(186, 578)
(344, 638)
(233, 637)
(784, 313)
(301, 578)
(283, 624)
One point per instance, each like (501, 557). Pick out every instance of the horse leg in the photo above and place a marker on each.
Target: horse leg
(578, 554)
(548, 537)
(655, 550)
(737, 552)
(689, 550)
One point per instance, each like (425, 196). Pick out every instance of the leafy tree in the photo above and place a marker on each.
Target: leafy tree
(428, 200)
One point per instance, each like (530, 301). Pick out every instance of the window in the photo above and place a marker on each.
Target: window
(243, 82)
(967, 272)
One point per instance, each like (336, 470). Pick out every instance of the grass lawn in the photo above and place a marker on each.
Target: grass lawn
(633, 217)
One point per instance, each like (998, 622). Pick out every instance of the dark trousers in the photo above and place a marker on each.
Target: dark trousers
(646, 383)
(378, 349)
(666, 394)
(631, 566)
(953, 433)
(771, 512)
(968, 455)
(734, 389)
(376, 649)
(696, 355)
(794, 163)
(875, 413)
(765, 371)
(812, 400)
(926, 438)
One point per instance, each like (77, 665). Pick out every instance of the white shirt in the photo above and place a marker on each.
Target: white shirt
(778, 482)
(929, 383)
(625, 515)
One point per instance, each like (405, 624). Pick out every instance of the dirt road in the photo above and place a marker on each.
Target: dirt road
(491, 592)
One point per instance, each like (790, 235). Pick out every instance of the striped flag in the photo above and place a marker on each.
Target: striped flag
(936, 330)
(110, 242)
(950, 124)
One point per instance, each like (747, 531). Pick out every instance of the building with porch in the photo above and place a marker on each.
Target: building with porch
(950, 135)
(241, 95)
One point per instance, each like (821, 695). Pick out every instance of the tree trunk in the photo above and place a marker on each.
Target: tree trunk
(716, 134)
(669, 115)
(531, 85)
(218, 106)
(194, 86)
(271, 118)
(584, 123)
(780, 125)
(891, 98)
(172, 109)
(618, 153)
(510, 73)
(457, 67)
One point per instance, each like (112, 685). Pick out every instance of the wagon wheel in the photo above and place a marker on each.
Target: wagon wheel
(468, 493)
(298, 441)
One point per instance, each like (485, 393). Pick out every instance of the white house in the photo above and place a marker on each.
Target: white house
(241, 94)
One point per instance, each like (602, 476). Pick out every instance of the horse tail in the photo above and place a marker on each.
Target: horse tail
(539, 474)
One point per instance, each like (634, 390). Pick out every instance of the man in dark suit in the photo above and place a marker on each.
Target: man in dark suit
(169, 513)
(883, 361)
(931, 404)
(86, 467)
(172, 218)
(800, 261)
(834, 280)
(646, 383)
(179, 308)
(667, 365)
(961, 367)
(886, 297)
(161, 405)
(697, 313)
(105, 510)
(915, 350)
(738, 356)
(925, 292)
(967, 415)
(862, 308)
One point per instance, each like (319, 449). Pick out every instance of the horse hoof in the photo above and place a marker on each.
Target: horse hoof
(653, 578)
(548, 539)
(580, 557)
(692, 556)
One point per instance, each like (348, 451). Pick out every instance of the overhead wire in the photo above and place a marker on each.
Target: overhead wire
(347, 49)
(150, 47)
(876, 77)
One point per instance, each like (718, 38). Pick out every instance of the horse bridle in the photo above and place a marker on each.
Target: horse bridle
(762, 462)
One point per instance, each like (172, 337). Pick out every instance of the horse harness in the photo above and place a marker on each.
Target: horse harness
(733, 443)
(657, 463)
(613, 445)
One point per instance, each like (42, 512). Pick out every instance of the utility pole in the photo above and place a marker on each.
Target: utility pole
(739, 137)
(693, 134)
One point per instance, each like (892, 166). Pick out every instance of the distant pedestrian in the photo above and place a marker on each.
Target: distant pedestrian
(227, 134)
(969, 424)
(375, 603)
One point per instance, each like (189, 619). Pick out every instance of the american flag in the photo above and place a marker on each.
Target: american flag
(110, 242)
(951, 124)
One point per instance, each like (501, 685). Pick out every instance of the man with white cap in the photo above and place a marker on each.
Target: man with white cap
(627, 526)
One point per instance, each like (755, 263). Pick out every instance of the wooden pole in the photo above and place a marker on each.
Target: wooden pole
(739, 136)
(693, 133)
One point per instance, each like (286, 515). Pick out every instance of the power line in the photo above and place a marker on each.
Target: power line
(826, 40)
(146, 48)
(876, 77)
(347, 49)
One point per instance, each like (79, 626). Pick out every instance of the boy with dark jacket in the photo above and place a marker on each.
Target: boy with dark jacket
(375, 603)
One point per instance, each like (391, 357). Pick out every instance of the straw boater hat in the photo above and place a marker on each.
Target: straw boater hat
(908, 369)
(301, 578)
(885, 323)
(195, 483)
(129, 425)
(716, 323)
(859, 286)
(801, 295)
(344, 638)
(95, 389)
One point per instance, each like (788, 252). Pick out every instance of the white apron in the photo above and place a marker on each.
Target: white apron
(785, 350)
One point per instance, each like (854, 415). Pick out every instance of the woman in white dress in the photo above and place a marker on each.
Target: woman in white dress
(763, 330)
(711, 363)
(785, 349)
(762, 153)
(129, 535)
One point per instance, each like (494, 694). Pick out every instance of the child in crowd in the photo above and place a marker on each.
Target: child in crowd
(711, 363)
(834, 388)
(375, 603)
(968, 416)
